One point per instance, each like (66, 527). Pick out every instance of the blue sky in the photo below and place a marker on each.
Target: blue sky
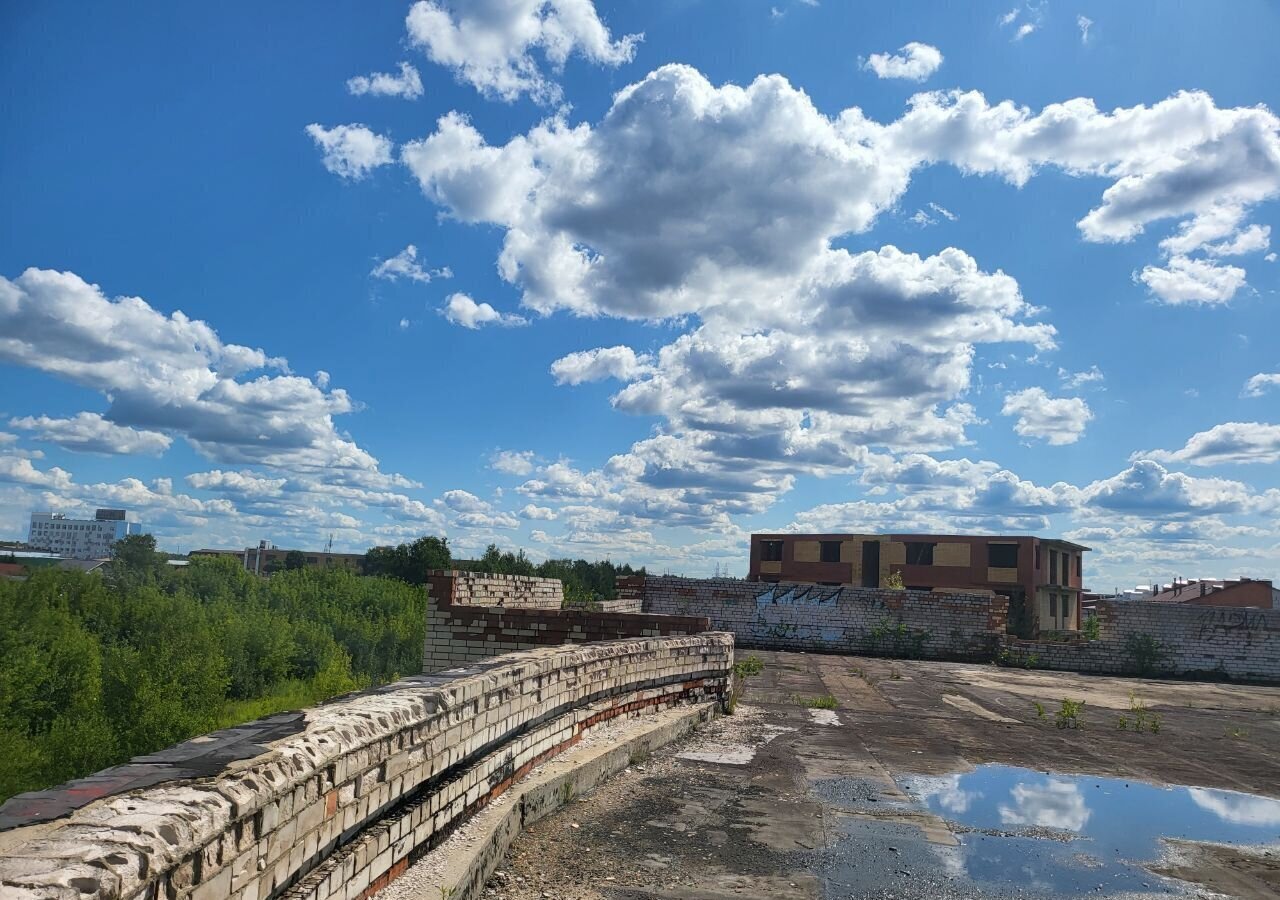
(636, 279)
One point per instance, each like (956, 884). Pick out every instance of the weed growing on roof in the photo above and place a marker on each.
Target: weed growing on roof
(1071, 715)
(824, 702)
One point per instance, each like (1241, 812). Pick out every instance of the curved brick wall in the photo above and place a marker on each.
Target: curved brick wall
(337, 800)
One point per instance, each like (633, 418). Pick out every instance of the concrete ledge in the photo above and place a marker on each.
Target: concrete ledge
(460, 867)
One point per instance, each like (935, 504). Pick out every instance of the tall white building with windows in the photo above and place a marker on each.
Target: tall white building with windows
(80, 538)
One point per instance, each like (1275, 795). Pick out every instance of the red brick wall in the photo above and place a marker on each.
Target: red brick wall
(1254, 594)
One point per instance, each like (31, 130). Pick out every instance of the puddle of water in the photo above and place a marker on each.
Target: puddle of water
(1068, 832)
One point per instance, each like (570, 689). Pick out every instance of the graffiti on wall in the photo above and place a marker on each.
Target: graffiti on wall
(1249, 621)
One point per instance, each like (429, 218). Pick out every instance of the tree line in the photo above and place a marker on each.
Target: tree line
(95, 669)
(584, 582)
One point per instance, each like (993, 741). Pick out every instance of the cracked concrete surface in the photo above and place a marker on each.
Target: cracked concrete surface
(777, 802)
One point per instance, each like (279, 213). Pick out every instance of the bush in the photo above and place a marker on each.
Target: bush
(1145, 653)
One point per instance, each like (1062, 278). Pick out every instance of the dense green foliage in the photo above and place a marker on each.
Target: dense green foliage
(94, 669)
(409, 562)
(584, 582)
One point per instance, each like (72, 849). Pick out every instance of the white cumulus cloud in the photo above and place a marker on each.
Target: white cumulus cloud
(1230, 442)
(405, 265)
(462, 310)
(621, 363)
(913, 62)
(1259, 384)
(1192, 281)
(1057, 420)
(513, 462)
(90, 433)
(537, 513)
(351, 151)
(490, 44)
(406, 84)
(171, 374)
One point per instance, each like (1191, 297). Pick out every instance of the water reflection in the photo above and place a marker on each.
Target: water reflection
(946, 793)
(1238, 809)
(1115, 826)
(1055, 804)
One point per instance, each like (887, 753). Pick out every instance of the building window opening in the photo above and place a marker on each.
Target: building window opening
(1053, 606)
(919, 553)
(771, 551)
(1002, 556)
(1037, 557)
(830, 551)
(1080, 564)
(1053, 567)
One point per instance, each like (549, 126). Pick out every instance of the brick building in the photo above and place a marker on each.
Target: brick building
(1041, 578)
(1247, 593)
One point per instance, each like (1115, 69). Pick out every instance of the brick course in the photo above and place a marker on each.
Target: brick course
(489, 589)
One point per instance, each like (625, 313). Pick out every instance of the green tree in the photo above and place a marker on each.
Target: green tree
(409, 562)
(93, 670)
(295, 559)
(134, 561)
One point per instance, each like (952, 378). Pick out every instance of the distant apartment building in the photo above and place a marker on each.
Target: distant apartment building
(267, 558)
(1041, 578)
(80, 538)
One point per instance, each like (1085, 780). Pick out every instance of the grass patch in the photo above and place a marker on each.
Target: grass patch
(749, 667)
(826, 701)
(293, 693)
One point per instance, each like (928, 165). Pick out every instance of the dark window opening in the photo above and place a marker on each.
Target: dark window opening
(830, 551)
(919, 587)
(1053, 566)
(771, 551)
(1002, 556)
(1037, 557)
(1079, 563)
(919, 553)
(870, 564)
(1053, 606)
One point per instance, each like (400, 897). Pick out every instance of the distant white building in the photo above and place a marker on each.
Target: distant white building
(80, 538)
